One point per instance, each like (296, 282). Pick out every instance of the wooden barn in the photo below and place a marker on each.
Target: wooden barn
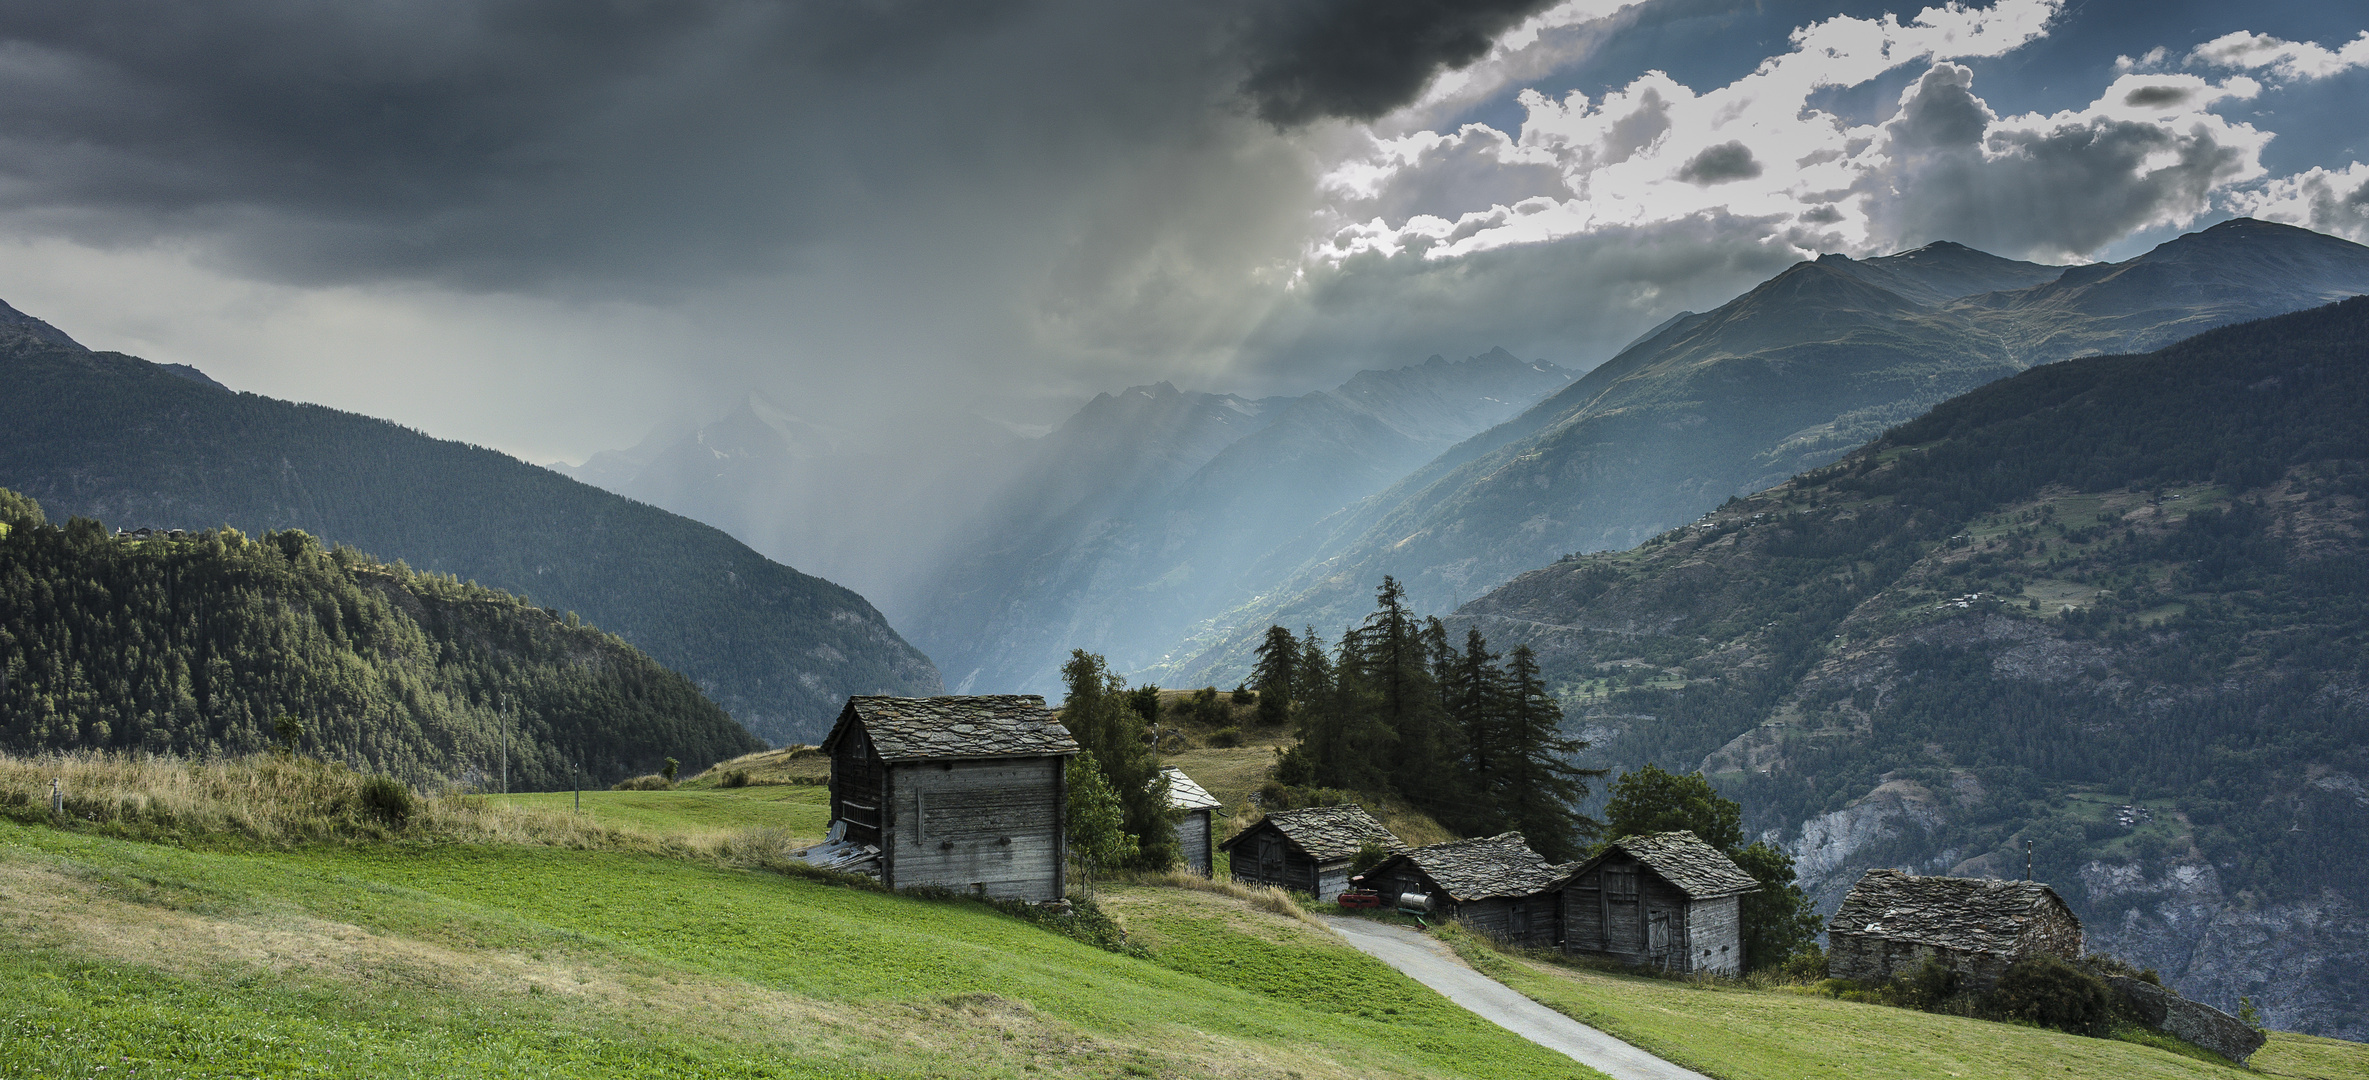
(964, 792)
(1892, 921)
(1191, 808)
(1662, 900)
(1491, 884)
(1306, 850)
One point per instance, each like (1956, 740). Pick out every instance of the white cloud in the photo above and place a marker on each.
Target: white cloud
(2288, 60)
(2148, 151)
(2331, 201)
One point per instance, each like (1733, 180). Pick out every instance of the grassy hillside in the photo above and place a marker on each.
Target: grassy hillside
(595, 958)
(200, 644)
(2111, 607)
(117, 438)
(1736, 1033)
(522, 960)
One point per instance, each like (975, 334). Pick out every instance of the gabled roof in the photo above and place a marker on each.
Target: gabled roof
(1973, 914)
(1184, 794)
(953, 728)
(1682, 859)
(1480, 868)
(1326, 833)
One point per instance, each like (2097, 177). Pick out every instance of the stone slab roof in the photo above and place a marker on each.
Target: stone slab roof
(1972, 914)
(1327, 833)
(1184, 794)
(1481, 868)
(1684, 860)
(954, 728)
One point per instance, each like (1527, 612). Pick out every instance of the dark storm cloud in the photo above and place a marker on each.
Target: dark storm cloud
(1359, 59)
(544, 144)
(1726, 161)
(2158, 95)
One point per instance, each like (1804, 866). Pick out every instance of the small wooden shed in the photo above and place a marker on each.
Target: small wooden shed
(1306, 850)
(1664, 900)
(1191, 808)
(964, 792)
(1491, 884)
(1892, 921)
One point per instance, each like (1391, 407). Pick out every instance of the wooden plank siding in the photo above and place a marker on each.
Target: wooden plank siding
(1629, 914)
(992, 824)
(1192, 838)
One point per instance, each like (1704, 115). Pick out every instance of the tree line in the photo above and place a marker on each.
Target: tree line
(217, 644)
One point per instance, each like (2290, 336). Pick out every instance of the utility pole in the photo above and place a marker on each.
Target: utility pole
(2027, 860)
(505, 715)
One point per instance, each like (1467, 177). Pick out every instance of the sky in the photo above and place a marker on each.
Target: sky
(548, 226)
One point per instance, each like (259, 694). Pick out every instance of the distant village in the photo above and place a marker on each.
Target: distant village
(968, 793)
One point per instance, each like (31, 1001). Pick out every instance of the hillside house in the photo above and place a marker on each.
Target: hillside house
(1892, 921)
(1190, 808)
(1492, 884)
(964, 792)
(1306, 850)
(1663, 900)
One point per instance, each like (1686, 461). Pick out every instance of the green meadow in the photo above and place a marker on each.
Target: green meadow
(645, 951)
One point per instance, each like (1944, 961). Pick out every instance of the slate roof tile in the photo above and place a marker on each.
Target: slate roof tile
(1482, 867)
(1972, 914)
(1682, 859)
(1184, 794)
(1327, 833)
(952, 728)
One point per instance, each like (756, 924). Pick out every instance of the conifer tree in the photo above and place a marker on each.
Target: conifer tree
(1392, 663)
(1473, 688)
(1100, 714)
(1541, 788)
(1275, 677)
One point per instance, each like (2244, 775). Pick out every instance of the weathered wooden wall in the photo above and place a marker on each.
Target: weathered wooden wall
(858, 788)
(1715, 936)
(963, 824)
(1192, 838)
(1265, 858)
(1625, 912)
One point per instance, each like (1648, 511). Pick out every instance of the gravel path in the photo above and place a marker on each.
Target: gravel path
(1428, 961)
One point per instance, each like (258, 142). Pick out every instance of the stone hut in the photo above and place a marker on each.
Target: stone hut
(1663, 900)
(1892, 921)
(1491, 884)
(964, 792)
(1191, 807)
(1306, 850)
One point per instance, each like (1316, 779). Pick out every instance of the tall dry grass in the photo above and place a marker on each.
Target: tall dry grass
(1266, 898)
(275, 800)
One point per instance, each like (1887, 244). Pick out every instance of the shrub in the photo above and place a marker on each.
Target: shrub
(1926, 986)
(1225, 737)
(647, 782)
(673, 768)
(1244, 696)
(1369, 855)
(735, 778)
(387, 799)
(2049, 992)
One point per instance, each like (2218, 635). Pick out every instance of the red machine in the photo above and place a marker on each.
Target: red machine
(1360, 898)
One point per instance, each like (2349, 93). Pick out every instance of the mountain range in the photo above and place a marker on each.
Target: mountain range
(2113, 608)
(1787, 377)
(114, 437)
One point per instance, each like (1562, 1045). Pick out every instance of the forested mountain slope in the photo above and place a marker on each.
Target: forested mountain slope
(2116, 607)
(1138, 518)
(197, 644)
(117, 438)
(1787, 377)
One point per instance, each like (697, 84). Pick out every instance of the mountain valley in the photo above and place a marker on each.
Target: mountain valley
(2112, 608)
